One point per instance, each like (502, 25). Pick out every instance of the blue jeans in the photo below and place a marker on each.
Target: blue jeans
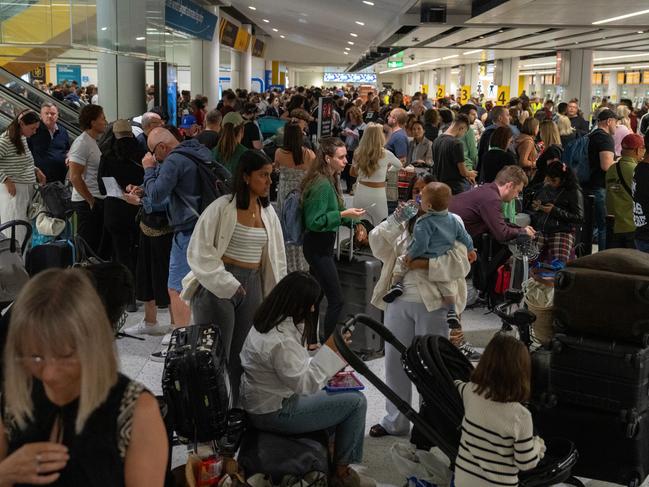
(642, 245)
(599, 218)
(344, 411)
(178, 265)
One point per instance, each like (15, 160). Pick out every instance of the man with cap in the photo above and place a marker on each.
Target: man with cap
(640, 189)
(619, 199)
(601, 151)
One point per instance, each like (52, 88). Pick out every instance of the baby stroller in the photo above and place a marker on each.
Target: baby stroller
(432, 363)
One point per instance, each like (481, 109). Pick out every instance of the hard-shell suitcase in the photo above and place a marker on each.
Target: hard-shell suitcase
(605, 295)
(599, 374)
(612, 447)
(57, 254)
(195, 383)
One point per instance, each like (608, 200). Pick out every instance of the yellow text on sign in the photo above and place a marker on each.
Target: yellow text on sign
(465, 94)
(503, 96)
(441, 91)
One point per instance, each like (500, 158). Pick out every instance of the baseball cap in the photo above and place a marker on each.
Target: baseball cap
(187, 121)
(234, 118)
(606, 114)
(122, 128)
(632, 141)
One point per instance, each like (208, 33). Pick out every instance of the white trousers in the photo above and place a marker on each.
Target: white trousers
(15, 207)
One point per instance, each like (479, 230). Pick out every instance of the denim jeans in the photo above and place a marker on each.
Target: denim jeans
(642, 245)
(178, 265)
(344, 411)
(599, 218)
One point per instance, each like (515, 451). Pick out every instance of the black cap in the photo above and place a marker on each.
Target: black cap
(606, 114)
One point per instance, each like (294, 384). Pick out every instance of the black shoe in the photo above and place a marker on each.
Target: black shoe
(469, 352)
(393, 293)
(453, 320)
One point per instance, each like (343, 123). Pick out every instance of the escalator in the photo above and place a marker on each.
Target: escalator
(4, 122)
(12, 103)
(34, 97)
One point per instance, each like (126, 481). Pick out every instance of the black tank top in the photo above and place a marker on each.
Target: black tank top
(97, 453)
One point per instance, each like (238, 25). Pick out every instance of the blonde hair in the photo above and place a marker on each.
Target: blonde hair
(549, 133)
(564, 125)
(370, 149)
(623, 113)
(59, 310)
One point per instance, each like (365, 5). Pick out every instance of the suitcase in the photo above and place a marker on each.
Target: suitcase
(597, 374)
(56, 254)
(195, 383)
(611, 447)
(614, 284)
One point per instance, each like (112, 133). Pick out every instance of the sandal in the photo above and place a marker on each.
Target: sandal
(378, 431)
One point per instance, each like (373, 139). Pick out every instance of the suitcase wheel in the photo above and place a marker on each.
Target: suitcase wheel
(562, 280)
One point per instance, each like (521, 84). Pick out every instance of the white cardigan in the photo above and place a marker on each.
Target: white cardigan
(389, 240)
(210, 240)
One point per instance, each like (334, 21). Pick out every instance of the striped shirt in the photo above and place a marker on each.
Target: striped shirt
(247, 244)
(18, 167)
(497, 441)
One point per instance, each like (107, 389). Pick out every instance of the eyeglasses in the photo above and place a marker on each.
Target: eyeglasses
(39, 360)
(155, 147)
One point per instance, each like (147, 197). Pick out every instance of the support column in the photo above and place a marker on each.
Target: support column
(235, 70)
(612, 86)
(246, 62)
(472, 77)
(205, 61)
(580, 82)
(445, 79)
(431, 81)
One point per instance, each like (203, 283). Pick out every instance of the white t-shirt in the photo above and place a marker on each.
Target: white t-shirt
(85, 152)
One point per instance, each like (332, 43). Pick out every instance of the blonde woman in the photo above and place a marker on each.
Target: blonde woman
(370, 166)
(623, 127)
(566, 132)
(552, 149)
(68, 415)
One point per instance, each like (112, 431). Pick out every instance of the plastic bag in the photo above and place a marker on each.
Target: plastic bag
(419, 466)
(538, 294)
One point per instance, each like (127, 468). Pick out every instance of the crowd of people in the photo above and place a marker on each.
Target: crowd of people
(427, 180)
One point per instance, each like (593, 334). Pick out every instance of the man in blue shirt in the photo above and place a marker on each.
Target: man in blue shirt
(50, 144)
(398, 142)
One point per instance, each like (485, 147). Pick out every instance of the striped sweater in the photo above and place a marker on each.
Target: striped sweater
(18, 167)
(497, 441)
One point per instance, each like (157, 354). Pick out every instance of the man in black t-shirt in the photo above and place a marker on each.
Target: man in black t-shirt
(601, 151)
(251, 134)
(640, 190)
(210, 136)
(576, 120)
(448, 157)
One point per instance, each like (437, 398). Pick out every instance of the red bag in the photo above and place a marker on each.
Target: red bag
(405, 178)
(503, 279)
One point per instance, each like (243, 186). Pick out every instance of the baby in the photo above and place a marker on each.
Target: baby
(435, 233)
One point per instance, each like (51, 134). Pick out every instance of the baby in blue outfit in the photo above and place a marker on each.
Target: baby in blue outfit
(435, 233)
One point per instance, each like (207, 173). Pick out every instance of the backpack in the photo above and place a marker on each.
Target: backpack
(575, 156)
(57, 200)
(291, 218)
(214, 178)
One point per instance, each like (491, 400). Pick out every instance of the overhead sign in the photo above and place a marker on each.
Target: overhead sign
(258, 47)
(228, 33)
(503, 95)
(424, 89)
(325, 116)
(440, 92)
(465, 94)
(185, 16)
(350, 78)
(38, 73)
(242, 42)
(68, 72)
(395, 64)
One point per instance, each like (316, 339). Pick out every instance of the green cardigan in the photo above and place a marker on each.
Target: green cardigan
(321, 208)
(233, 163)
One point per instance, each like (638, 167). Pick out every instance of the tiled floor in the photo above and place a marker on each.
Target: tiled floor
(134, 355)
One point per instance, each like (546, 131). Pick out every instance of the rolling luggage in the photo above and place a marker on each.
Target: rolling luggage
(605, 295)
(601, 375)
(195, 383)
(56, 254)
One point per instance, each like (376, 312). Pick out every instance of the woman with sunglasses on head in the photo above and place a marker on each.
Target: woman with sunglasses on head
(18, 174)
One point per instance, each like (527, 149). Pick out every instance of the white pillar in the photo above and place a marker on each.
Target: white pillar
(580, 84)
(472, 77)
(205, 61)
(612, 87)
(235, 69)
(445, 79)
(431, 81)
(246, 62)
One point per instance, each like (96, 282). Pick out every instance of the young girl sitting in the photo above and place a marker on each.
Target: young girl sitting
(497, 434)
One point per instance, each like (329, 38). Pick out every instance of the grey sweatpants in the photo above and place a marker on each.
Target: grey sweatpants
(406, 320)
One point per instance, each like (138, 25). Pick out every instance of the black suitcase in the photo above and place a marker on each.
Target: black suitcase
(599, 374)
(195, 383)
(605, 295)
(612, 448)
(56, 254)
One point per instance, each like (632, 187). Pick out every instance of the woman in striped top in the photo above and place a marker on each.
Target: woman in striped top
(18, 174)
(497, 432)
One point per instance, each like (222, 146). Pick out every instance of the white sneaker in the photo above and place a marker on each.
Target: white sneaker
(144, 328)
(166, 339)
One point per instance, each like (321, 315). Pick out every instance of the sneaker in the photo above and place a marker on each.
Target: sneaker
(166, 339)
(144, 328)
(469, 352)
(453, 320)
(394, 292)
(160, 356)
(352, 479)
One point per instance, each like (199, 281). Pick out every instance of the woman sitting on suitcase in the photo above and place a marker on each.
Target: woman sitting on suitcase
(282, 386)
(68, 416)
(236, 255)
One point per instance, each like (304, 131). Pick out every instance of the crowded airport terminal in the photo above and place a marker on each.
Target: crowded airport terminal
(279, 243)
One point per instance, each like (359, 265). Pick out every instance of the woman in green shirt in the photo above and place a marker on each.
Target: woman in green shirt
(323, 212)
(229, 149)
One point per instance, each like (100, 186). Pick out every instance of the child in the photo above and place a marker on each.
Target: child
(435, 233)
(497, 435)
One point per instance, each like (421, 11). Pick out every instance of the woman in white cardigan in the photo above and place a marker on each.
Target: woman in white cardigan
(236, 255)
(419, 310)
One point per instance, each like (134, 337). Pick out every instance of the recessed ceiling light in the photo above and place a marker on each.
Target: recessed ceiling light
(641, 66)
(481, 37)
(641, 32)
(366, 2)
(620, 56)
(104, 28)
(283, 36)
(450, 57)
(345, 53)
(608, 68)
(539, 64)
(353, 35)
(626, 16)
(140, 38)
(471, 52)
(275, 30)
(251, 7)
(266, 20)
(348, 49)
(360, 23)
(350, 43)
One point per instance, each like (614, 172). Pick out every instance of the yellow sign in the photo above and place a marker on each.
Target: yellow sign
(242, 41)
(424, 89)
(465, 94)
(503, 96)
(441, 91)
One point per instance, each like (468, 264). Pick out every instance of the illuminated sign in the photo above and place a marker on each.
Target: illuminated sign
(350, 78)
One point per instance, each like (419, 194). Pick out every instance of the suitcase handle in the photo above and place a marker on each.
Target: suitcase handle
(378, 327)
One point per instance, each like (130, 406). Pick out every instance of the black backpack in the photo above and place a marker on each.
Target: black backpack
(57, 200)
(214, 181)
